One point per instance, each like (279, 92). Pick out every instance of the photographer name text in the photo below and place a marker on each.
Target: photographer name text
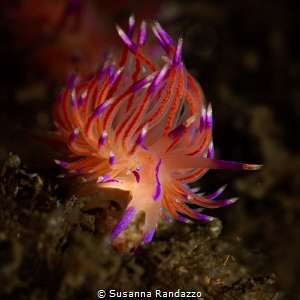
(156, 294)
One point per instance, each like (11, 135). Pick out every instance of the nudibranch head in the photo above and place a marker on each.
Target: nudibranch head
(144, 128)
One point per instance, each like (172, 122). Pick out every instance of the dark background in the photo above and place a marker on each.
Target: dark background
(245, 55)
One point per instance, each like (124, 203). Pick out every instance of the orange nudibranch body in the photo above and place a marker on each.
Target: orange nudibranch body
(144, 128)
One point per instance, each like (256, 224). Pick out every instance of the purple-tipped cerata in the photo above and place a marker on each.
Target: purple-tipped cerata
(98, 110)
(177, 131)
(127, 41)
(216, 193)
(158, 79)
(113, 77)
(130, 27)
(147, 237)
(141, 127)
(163, 35)
(73, 135)
(141, 136)
(112, 159)
(123, 222)
(142, 34)
(178, 51)
(141, 83)
(102, 138)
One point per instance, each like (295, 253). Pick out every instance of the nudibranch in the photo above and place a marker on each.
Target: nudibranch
(142, 126)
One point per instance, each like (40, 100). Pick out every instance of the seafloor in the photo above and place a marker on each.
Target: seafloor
(246, 56)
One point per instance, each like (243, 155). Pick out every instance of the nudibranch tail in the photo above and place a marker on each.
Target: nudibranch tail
(142, 127)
